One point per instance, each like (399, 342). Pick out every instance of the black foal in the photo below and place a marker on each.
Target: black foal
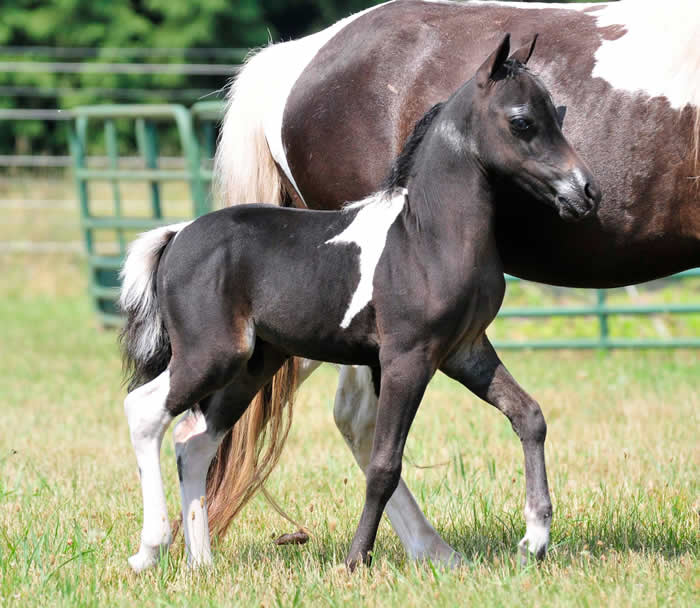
(405, 282)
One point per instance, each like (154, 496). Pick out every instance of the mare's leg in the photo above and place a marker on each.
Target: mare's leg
(355, 414)
(197, 436)
(403, 381)
(148, 419)
(478, 367)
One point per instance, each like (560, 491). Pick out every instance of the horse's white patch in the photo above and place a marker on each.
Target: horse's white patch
(368, 231)
(658, 54)
(148, 419)
(194, 450)
(285, 63)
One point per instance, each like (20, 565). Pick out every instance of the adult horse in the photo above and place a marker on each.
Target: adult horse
(314, 123)
(405, 281)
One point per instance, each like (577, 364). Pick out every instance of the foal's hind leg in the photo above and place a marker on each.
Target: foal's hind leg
(355, 414)
(197, 436)
(478, 367)
(195, 446)
(148, 419)
(208, 362)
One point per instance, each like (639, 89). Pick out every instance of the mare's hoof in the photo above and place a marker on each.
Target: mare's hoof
(441, 553)
(455, 560)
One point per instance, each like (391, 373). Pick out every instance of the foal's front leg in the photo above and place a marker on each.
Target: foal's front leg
(478, 367)
(355, 414)
(403, 382)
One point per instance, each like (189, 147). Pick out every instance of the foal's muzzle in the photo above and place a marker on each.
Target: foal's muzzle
(578, 196)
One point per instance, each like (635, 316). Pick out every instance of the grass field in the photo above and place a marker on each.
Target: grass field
(622, 450)
(622, 455)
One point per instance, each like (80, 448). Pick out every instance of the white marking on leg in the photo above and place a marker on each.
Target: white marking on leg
(368, 231)
(148, 421)
(194, 450)
(536, 539)
(355, 413)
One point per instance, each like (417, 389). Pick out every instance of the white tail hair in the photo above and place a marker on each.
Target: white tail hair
(244, 170)
(137, 297)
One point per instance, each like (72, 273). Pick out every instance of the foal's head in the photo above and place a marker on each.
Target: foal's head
(514, 130)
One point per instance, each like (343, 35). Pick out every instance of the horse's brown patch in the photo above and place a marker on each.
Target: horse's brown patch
(642, 150)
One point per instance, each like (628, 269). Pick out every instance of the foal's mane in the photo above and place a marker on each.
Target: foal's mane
(403, 164)
(401, 167)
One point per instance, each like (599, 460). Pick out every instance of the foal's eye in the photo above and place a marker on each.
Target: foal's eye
(520, 124)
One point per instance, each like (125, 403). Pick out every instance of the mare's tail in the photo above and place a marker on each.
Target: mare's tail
(144, 339)
(245, 172)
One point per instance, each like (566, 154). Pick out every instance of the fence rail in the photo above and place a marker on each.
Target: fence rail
(602, 311)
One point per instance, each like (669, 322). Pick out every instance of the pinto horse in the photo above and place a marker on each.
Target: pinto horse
(405, 282)
(314, 122)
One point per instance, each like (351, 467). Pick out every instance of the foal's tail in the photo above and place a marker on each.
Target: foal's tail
(144, 339)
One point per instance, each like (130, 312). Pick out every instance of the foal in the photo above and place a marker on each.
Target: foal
(405, 282)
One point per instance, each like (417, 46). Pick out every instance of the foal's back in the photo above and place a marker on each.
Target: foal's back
(275, 268)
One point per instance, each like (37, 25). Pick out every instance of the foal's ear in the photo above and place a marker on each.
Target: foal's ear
(524, 53)
(494, 62)
(561, 114)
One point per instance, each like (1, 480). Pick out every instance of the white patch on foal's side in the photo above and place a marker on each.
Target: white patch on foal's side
(368, 231)
(658, 54)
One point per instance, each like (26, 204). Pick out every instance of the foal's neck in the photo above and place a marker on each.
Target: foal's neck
(451, 199)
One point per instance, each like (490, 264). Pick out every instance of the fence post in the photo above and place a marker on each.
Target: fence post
(147, 141)
(602, 318)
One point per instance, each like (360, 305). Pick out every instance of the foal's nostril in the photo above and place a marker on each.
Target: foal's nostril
(592, 192)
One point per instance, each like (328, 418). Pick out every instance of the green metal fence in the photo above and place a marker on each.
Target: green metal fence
(99, 123)
(602, 311)
(196, 132)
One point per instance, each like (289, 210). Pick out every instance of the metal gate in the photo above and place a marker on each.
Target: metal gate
(108, 229)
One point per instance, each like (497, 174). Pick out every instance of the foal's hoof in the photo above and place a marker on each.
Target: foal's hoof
(146, 558)
(532, 546)
(352, 563)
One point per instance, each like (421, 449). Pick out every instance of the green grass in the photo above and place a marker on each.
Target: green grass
(622, 455)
